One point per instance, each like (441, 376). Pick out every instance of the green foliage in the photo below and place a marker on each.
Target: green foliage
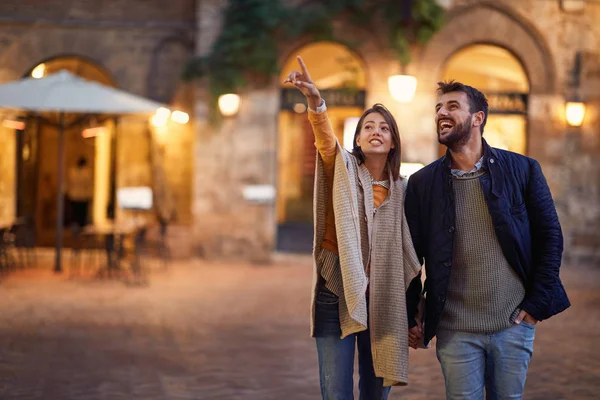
(429, 18)
(247, 48)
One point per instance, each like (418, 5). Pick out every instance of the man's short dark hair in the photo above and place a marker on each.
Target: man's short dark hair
(477, 100)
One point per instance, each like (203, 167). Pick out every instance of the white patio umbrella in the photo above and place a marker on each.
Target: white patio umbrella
(64, 92)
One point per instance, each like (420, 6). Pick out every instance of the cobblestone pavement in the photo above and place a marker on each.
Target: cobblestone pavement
(228, 331)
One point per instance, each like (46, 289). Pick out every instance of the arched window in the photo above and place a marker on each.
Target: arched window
(340, 76)
(77, 65)
(501, 77)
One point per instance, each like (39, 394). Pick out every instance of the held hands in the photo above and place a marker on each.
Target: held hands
(304, 83)
(415, 335)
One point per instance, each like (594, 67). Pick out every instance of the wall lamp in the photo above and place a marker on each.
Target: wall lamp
(575, 112)
(402, 87)
(229, 104)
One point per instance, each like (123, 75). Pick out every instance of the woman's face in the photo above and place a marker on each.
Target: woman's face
(375, 137)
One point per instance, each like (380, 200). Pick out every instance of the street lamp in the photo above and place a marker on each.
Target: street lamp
(180, 117)
(575, 112)
(229, 104)
(159, 119)
(402, 87)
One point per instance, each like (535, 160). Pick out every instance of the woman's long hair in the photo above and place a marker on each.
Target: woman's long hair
(393, 158)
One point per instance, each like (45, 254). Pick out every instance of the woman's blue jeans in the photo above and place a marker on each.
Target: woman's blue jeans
(336, 356)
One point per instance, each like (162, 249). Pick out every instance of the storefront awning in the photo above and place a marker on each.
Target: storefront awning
(64, 92)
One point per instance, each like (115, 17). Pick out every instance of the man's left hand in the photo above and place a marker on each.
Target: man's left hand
(524, 316)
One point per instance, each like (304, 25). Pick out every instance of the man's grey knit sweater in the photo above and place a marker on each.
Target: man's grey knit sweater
(484, 292)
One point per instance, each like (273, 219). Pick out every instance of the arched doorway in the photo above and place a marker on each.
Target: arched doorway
(501, 77)
(37, 152)
(340, 76)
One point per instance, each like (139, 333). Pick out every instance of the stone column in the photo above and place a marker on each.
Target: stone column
(8, 169)
(237, 154)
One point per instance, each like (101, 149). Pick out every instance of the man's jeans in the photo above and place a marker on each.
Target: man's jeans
(497, 361)
(336, 356)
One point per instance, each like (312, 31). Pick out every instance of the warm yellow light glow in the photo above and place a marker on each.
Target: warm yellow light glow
(229, 104)
(575, 112)
(39, 71)
(158, 120)
(102, 150)
(349, 131)
(402, 87)
(180, 117)
(299, 108)
(487, 67)
(11, 124)
(163, 112)
(26, 152)
(407, 169)
(93, 132)
(572, 5)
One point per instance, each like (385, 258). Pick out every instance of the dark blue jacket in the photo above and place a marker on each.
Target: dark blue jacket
(524, 219)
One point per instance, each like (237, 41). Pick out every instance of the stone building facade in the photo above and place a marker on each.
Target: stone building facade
(141, 46)
(543, 35)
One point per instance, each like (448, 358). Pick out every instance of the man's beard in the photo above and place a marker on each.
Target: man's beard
(459, 136)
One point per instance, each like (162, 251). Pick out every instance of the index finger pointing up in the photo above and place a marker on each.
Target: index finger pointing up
(304, 69)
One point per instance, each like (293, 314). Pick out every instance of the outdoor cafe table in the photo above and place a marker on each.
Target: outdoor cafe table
(115, 235)
(6, 225)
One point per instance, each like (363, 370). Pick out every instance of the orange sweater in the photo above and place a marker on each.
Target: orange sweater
(326, 142)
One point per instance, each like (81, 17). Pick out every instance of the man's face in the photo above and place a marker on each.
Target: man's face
(453, 119)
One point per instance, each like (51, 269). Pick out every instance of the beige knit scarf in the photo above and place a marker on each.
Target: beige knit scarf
(380, 237)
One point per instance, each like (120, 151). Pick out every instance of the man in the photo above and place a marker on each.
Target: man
(80, 190)
(484, 222)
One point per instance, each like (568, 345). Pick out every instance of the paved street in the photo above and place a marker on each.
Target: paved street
(227, 331)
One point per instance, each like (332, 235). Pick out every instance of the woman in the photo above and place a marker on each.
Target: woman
(364, 258)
